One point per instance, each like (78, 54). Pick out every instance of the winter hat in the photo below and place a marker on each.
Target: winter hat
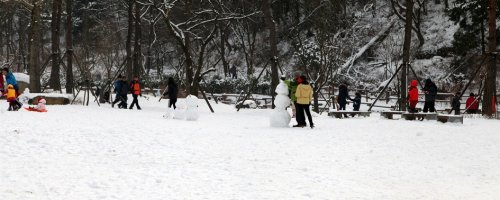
(299, 79)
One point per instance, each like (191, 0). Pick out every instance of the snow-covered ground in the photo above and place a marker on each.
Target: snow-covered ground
(80, 153)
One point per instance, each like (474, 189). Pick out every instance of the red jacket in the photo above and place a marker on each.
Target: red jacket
(413, 91)
(136, 88)
(471, 103)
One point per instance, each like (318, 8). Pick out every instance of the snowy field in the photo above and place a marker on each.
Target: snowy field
(81, 153)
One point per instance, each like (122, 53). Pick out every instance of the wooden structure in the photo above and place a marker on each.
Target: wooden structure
(419, 116)
(340, 113)
(451, 118)
(390, 114)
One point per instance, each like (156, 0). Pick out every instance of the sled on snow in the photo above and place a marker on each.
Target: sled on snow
(35, 110)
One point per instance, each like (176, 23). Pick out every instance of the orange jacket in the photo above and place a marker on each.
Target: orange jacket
(11, 93)
(413, 91)
(136, 88)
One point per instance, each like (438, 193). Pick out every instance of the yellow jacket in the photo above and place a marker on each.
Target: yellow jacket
(11, 93)
(304, 94)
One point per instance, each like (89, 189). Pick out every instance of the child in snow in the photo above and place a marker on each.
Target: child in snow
(413, 96)
(40, 107)
(455, 103)
(356, 102)
(14, 105)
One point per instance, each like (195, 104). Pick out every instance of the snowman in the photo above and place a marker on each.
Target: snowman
(192, 108)
(280, 117)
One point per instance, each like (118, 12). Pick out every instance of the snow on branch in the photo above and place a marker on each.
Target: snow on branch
(221, 19)
(350, 62)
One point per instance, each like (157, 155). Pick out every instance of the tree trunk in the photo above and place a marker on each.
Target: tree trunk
(69, 47)
(137, 42)
(55, 82)
(273, 45)
(129, 65)
(406, 54)
(21, 66)
(490, 86)
(34, 48)
(223, 39)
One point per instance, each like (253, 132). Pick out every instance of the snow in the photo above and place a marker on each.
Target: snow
(22, 77)
(79, 152)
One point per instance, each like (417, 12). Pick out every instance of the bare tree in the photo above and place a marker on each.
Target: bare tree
(489, 100)
(268, 17)
(137, 41)
(69, 47)
(54, 81)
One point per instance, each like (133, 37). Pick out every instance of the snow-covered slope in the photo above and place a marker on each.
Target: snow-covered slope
(77, 152)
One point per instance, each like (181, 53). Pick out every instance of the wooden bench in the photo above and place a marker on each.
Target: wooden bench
(419, 116)
(389, 114)
(451, 118)
(340, 113)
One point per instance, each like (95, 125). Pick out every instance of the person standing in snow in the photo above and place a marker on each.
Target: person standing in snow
(472, 104)
(430, 90)
(293, 88)
(455, 103)
(343, 96)
(413, 96)
(356, 102)
(135, 87)
(10, 79)
(304, 95)
(171, 92)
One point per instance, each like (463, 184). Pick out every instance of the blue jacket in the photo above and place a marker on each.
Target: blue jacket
(10, 79)
(118, 86)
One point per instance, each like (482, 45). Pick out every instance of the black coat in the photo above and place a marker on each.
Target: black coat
(455, 103)
(124, 89)
(430, 90)
(172, 91)
(343, 94)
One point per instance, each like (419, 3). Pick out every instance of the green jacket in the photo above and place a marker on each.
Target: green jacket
(292, 85)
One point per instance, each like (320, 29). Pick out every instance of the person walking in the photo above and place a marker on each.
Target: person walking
(430, 91)
(304, 95)
(121, 91)
(135, 87)
(171, 92)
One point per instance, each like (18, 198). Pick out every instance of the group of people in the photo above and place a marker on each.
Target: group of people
(122, 89)
(10, 88)
(430, 91)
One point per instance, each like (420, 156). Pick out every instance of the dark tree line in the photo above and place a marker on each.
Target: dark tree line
(188, 39)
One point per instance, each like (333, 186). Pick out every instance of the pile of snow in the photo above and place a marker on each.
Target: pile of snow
(22, 77)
